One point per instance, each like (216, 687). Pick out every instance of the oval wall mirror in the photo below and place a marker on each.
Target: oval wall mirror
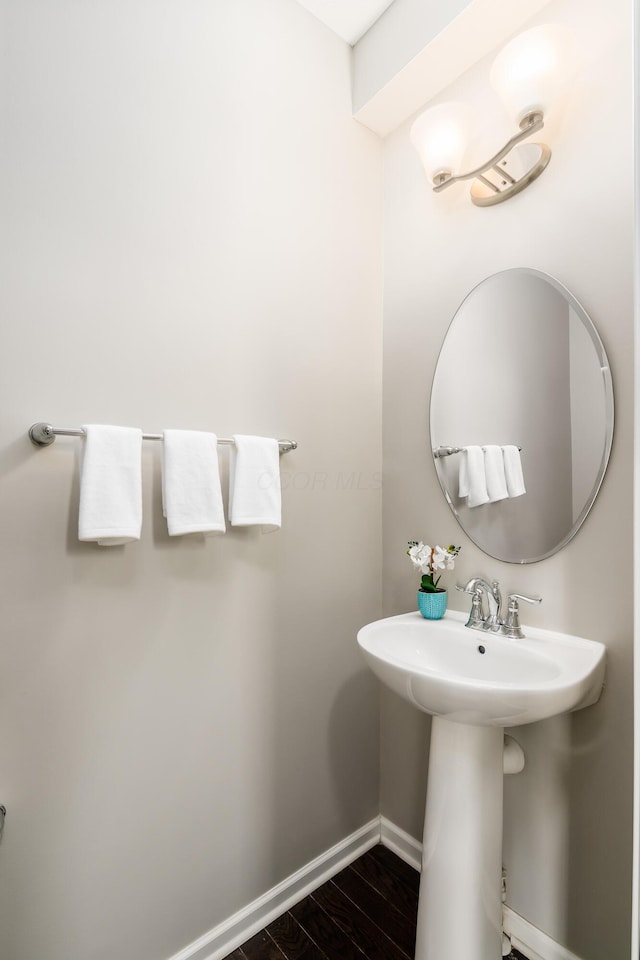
(522, 366)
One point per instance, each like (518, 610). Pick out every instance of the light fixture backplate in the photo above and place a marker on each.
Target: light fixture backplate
(520, 167)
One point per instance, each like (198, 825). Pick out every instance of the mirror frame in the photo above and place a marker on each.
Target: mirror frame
(601, 355)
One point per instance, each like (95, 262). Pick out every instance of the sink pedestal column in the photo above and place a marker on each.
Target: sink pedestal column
(460, 907)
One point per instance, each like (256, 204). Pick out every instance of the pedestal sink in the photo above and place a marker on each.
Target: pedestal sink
(474, 684)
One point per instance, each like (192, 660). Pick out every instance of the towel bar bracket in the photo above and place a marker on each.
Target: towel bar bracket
(446, 452)
(43, 434)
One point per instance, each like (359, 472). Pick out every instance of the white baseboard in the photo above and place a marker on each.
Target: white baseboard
(407, 848)
(531, 941)
(527, 938)
(224, 938)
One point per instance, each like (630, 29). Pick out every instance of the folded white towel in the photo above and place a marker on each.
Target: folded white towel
(472, 477)
(254, 483)
(463, 475)
(111, 485)
(494, 473)
(513, 471)
(191, 494)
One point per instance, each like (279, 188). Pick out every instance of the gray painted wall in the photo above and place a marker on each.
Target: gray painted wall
(568, 840)
(190, 238)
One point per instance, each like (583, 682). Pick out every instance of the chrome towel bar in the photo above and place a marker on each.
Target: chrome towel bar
(42, 434)
(449, 451)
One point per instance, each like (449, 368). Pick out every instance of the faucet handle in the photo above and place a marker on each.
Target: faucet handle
(519, 596)
(512, 628)
(476, 614)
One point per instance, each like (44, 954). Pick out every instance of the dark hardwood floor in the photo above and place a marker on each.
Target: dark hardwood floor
(366, 912)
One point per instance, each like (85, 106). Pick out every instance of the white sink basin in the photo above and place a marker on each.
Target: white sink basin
(438, 666)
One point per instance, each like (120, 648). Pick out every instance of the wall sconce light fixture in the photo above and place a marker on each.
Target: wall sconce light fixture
(526, 74)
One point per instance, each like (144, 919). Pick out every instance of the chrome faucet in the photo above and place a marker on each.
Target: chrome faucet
(491, 621)
(478, 586)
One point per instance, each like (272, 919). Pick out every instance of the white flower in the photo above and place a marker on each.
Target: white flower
(415, 550)
(428, 559)
(440, 558)
(450, 556)
(420, 556)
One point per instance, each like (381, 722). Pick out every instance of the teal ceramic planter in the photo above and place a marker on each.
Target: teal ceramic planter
(432, 606)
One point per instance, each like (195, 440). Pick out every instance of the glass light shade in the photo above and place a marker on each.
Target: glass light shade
(440, 136)
(529, 72)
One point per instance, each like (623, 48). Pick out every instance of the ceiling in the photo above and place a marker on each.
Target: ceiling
(350, 19)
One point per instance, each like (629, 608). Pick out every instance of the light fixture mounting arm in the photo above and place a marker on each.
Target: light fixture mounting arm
(486, 192)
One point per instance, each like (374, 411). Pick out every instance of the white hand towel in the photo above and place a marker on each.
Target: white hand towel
(463, 475)
(494, 472)
(254, 483)
(513, 471)
(473, 477)
(111, 485)
(191, 494)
